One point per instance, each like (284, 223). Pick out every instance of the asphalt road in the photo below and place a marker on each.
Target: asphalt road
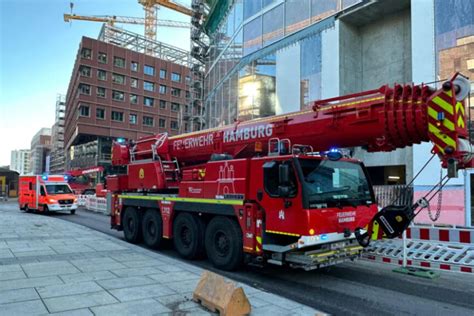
(359, 288)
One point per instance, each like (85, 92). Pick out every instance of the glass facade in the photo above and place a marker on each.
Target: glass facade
(454, 40)
(235, 90)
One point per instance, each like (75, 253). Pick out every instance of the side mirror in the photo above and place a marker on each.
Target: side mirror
(283, 191)
(284, 175)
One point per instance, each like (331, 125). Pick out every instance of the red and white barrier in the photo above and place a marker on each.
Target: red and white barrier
(435, 247)
(93, 203)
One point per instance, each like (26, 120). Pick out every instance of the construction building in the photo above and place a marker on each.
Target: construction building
(20, 161)
(117, 91)
(269, 57)
(39, 151)
(57, 157)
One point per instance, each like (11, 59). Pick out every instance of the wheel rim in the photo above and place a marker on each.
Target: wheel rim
(131, 224)
(185, 236)
(151, 228)
(221, 243)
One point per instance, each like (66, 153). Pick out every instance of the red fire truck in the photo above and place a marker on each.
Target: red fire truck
(83, 181)
(46, 193)
(276, 190)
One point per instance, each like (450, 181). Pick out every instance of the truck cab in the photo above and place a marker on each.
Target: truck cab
(46, 193)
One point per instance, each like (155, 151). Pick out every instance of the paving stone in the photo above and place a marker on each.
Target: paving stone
(141, 292)
(135, 272)
(141, 307)
(6, 253)
(174, 299)
(68, 289)
(11, 296)
(35, 307)
(89, 265)
(271, 310)
(183, 286)
(48, 268)
(31, 282)
(10, 267)
(76, 312)
(119, 283)
(174, 276)
(87, 276)
(257, 302)
(12, 275)
(170, 268)
(144, 263)
(72, 249)
(35, 253)
(64, 303)
(129, 257)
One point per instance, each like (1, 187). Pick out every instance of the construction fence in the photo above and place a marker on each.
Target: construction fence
(93, 203)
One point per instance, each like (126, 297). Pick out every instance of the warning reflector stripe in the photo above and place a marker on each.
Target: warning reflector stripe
(442, 137)
(447, 123)
(443, 104)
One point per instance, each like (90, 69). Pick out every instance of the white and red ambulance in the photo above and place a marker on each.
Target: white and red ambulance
(46, 193)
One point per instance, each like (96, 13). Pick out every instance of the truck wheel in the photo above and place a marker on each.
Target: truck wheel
(73, 212)
(188, 235)
(131, 225)
(224, 243)
(152, 227)
(46, 210)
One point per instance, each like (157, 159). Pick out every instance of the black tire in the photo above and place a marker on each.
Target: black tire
(152, 227)
(188, 235)
(73, 212)
(132, 228)
(46, 210)
(223, 241)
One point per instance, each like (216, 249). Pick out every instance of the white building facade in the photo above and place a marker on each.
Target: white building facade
(20, 161)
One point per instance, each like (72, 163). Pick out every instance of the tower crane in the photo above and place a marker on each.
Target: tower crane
(151, 6)
(112, 19)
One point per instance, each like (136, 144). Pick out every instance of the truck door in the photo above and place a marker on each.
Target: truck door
(280, 200)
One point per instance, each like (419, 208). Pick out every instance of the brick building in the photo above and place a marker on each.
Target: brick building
(115, 92)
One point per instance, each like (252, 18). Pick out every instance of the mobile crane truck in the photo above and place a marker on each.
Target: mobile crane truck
(276, 190)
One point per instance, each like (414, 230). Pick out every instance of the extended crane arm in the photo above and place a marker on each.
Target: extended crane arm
(112, 19)
(173, 5)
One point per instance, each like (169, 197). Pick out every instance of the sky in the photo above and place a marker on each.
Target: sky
(37, 54)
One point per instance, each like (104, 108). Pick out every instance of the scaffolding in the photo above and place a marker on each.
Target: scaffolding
(198, 56)
(138, 43)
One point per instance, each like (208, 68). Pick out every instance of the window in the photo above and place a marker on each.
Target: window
(119, 62)
(162, 104)
(162, 89)
(100, 113)
(84, 110)
(117, 116)
(188, 94)
(85, 71)
(175, 77)
(174, 125)
(101, 92)
(149, 70)
(148, 101)
(134, 66)
(101, 74)
(162, 123)
(132, 119)
(86, 53)
(102, 58)
(188, 79)
(176, 92)
(119, 79)
(148, 86)
(174, 107)
(162, 73)
(133, 98)
(148, 121)
(134, 82)
(84, 89)
(118, 95)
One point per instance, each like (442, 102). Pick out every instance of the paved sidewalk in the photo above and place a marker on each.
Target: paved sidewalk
(50, 266)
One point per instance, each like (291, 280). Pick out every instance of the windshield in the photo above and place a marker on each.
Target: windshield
(58, 189)
(334, 183)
